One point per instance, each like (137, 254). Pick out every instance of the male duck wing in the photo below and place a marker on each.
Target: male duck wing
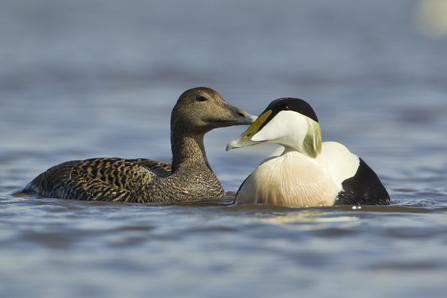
(364, 188)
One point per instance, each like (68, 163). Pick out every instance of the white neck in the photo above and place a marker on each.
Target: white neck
(294, 131)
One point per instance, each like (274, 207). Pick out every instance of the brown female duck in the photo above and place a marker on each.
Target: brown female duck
(190, 176)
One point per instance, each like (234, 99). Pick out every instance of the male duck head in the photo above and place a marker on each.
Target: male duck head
(202, 109)
(290, 122)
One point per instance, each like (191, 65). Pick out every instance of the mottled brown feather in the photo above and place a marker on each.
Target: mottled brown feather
(190, 177)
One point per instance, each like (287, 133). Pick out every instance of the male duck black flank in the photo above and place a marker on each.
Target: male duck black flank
(189, 177)
(304, 171)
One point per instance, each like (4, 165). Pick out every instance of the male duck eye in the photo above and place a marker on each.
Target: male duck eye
(202, 98)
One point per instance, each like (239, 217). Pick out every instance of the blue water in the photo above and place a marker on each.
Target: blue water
(82, 79)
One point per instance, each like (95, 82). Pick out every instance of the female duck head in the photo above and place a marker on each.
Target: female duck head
(202, 109)
(290, 122)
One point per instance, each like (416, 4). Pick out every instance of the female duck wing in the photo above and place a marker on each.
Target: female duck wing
(105, 179)
(160, 168)
(52, 178)
(364, 188)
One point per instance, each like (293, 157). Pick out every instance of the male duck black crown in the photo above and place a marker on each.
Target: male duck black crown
(190, 176)
(305, 171)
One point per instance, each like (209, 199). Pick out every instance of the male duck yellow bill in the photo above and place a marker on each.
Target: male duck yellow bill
(190, 176)
(305, 171)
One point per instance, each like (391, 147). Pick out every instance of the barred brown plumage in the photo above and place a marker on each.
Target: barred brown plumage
(190, 176)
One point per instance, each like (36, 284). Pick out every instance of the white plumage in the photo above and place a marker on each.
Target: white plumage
(304, 172)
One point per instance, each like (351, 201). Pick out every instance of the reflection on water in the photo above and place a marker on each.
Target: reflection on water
(99, 79)
(319, 220)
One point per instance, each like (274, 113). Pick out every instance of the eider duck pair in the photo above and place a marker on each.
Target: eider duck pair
(304, 171)
(189, 177)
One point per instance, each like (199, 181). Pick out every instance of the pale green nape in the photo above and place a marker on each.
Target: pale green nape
(312, 141)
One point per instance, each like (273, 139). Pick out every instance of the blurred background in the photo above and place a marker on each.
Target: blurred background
(81, 79)
(72, 67)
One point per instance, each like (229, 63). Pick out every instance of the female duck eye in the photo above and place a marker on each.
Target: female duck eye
(202, 98)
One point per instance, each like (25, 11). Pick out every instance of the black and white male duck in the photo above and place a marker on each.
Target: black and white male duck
(189, 177)
(304, 171)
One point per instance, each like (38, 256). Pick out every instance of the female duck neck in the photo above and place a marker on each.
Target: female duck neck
(188, 153)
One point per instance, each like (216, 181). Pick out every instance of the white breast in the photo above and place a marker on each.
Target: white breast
(291, 179)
